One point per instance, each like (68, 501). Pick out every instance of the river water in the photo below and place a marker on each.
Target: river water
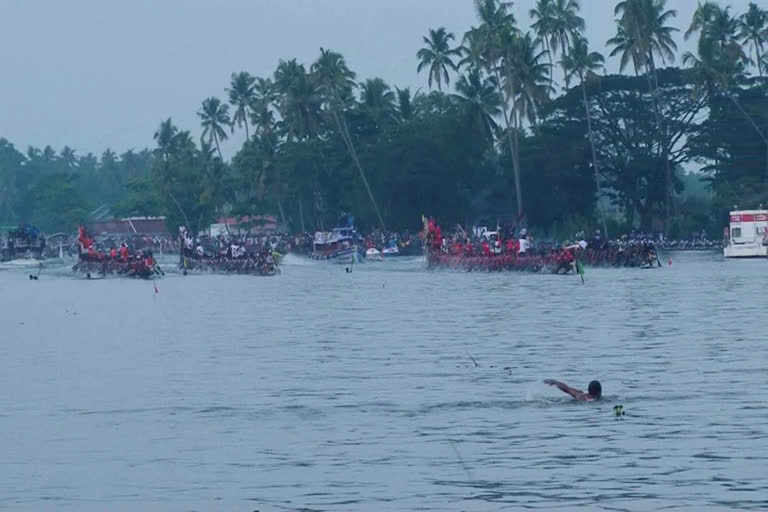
(323, 390)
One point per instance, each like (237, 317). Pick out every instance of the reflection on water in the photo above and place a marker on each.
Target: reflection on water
(322, 390)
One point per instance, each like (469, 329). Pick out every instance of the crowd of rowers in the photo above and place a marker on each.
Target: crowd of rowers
(120, 260)
(229, 253)
(507, 249)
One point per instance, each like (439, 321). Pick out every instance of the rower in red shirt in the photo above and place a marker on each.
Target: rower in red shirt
(124, 252)
(486, 248)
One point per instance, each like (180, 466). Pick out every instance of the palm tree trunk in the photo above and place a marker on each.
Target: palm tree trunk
(281, 210)
(594, 159)
(551, 64)
(757, 58)
(245, 119)
(189, 226)
(216, 140)
(513, 150)
(564, 51)
(342, 126)
(669, 193)
(301, 214)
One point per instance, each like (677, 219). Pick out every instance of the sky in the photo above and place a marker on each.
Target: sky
(94, 74)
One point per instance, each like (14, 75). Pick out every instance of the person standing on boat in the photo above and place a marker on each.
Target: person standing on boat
(523, 242)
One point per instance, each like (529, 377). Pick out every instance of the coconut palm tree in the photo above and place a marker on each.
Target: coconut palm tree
(262, 106)
(405, 103)
(241, 94)
(524, 84)
(378, 99)
(169, 143)
(438, 55)
(754, 31)
(68, 157)
(543, 25)
(484, 47)
(165, 137)
(482, 101)
(625, 43)
(645, 22)
(579, 62)
(214, 116)
(565, 22)
(721, 60)
(720, 56)
(525, 65)
(299, 100)
(335, 82)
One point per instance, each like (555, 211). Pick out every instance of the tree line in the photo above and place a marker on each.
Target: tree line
(497, 137)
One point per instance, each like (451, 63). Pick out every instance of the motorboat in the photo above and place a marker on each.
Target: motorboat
(747, 234)
(373, 254)
(341, 245)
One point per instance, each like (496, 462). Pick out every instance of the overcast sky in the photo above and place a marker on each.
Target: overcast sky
(94, 74)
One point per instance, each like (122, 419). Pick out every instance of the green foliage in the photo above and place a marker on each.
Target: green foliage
(319, 141)
(59, 204)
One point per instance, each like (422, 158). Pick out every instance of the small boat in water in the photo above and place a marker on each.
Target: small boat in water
(391, 249)
(23, 243)
(374, 254)
(747, 235)
(341, 245)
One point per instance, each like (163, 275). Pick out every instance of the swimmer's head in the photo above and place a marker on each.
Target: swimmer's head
(595, 389)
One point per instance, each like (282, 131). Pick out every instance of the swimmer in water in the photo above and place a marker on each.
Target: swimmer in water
(594, 391)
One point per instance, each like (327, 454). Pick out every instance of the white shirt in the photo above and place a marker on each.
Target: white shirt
(523, 245)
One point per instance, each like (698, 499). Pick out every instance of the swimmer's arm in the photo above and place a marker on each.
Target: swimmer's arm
(575, 393)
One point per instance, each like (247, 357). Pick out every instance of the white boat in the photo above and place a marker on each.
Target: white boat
(747, 236)
(341, 245)
(391, 251)
(373, 254)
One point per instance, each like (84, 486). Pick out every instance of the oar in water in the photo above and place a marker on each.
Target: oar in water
(579, 269)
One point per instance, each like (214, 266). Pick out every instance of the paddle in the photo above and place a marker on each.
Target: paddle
(579, 268)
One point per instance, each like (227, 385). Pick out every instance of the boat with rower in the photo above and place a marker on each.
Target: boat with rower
(493, 252)
(94, 261)
(260, 264)
(236, 258)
